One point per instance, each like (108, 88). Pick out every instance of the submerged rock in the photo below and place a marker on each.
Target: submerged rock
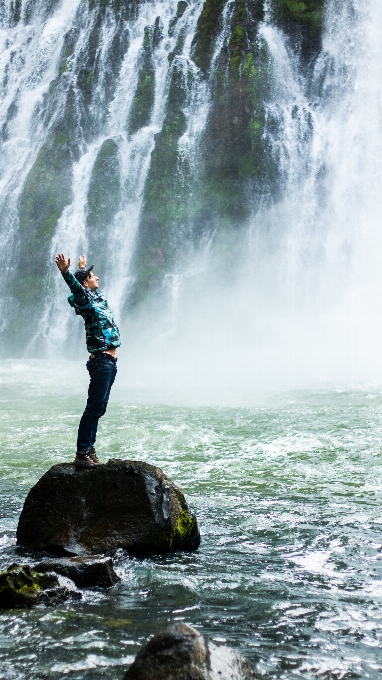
(179, 652)
(92, 509)
(85, 572)
(23, 586)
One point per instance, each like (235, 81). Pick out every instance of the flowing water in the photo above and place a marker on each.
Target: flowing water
(287, 492)
(230, 388)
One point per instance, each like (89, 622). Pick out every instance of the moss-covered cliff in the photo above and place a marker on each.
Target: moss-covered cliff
(166, 192)
(234, 157)
(235, 170)
(103, 200)
(47, 191)
(303, 21)
(183, 203)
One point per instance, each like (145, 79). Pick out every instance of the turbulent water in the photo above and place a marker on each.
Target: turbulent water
(287, 494)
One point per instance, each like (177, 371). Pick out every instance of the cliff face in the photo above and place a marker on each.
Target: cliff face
(234, 171)
(147, 120)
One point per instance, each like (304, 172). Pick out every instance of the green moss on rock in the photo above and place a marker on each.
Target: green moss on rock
(165, 202)
(181, 8)
(19, 587)
(178, 538)
(185, 526)
(234, 154)
(46, 193)
(104, 189)
(207, 30)
(143, 101)
(305, 12)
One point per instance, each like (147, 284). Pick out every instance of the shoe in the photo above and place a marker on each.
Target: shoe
(84, 458)
(92, 454)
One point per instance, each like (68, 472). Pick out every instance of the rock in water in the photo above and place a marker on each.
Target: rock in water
(92, 509)
(21, 586)
(179, 652)
(85, 572)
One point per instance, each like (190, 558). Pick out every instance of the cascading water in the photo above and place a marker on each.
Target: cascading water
(86, 90)
(303, 302)
(92, 73)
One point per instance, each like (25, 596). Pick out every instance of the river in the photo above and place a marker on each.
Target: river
(287, 491)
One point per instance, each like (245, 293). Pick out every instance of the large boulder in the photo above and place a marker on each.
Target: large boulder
(91, 509)
(23, 586)
(85, 572)
(180, 652)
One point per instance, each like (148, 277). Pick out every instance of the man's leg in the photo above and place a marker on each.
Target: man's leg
(102, 375)
(113, 373)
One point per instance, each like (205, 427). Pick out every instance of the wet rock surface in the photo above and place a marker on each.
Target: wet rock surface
(85, 572)
(23, 587)
(180, 652)
(92, 509)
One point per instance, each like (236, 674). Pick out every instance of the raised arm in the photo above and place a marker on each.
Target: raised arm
(74, 285)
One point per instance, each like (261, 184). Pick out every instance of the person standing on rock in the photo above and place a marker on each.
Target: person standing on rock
(102, 340)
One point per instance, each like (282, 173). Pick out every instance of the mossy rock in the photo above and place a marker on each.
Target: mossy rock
(181, 8)
(165, 202)
(208, 27)
(48, 189)
(79, 510)
(104, 194)
(23, 587)
(304, 12)
(143, 101)
(234, 162)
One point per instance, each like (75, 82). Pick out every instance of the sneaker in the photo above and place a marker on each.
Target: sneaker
(84, 458)
(92, 454)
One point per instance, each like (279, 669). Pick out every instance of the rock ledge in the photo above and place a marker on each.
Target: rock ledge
(86, 509)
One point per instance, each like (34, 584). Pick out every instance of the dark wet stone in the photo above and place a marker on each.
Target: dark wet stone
(85, 572)
(93, 509)
(23, 586)
(180, 652)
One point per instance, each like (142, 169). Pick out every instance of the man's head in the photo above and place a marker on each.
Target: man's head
(86, 278)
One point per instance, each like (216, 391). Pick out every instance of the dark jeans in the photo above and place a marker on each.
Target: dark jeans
(102, 370)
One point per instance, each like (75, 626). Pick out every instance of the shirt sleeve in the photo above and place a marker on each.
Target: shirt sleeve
(78, 291)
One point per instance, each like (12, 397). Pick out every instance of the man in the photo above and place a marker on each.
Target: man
(102, 339)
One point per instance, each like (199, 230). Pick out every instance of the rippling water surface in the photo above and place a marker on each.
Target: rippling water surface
(288, 499)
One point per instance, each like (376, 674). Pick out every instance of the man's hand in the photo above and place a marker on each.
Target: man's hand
(62, 264)
(81, 262)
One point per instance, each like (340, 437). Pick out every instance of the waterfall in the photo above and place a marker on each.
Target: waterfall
(220, 166)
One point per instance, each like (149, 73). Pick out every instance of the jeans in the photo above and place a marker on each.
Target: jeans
(102, 370)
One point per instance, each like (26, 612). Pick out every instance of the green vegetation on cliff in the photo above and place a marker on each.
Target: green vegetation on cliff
(46, 193)
(165, 200)
(305, 12)
(207, 30)
(104, 189)
(182, 201)
(234, 157)
(143, 101)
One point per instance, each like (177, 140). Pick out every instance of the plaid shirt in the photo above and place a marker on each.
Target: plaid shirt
(101, 331)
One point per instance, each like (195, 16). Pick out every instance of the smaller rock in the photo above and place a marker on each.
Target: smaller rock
(180, 652)
(85, 572)
(22, 586)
